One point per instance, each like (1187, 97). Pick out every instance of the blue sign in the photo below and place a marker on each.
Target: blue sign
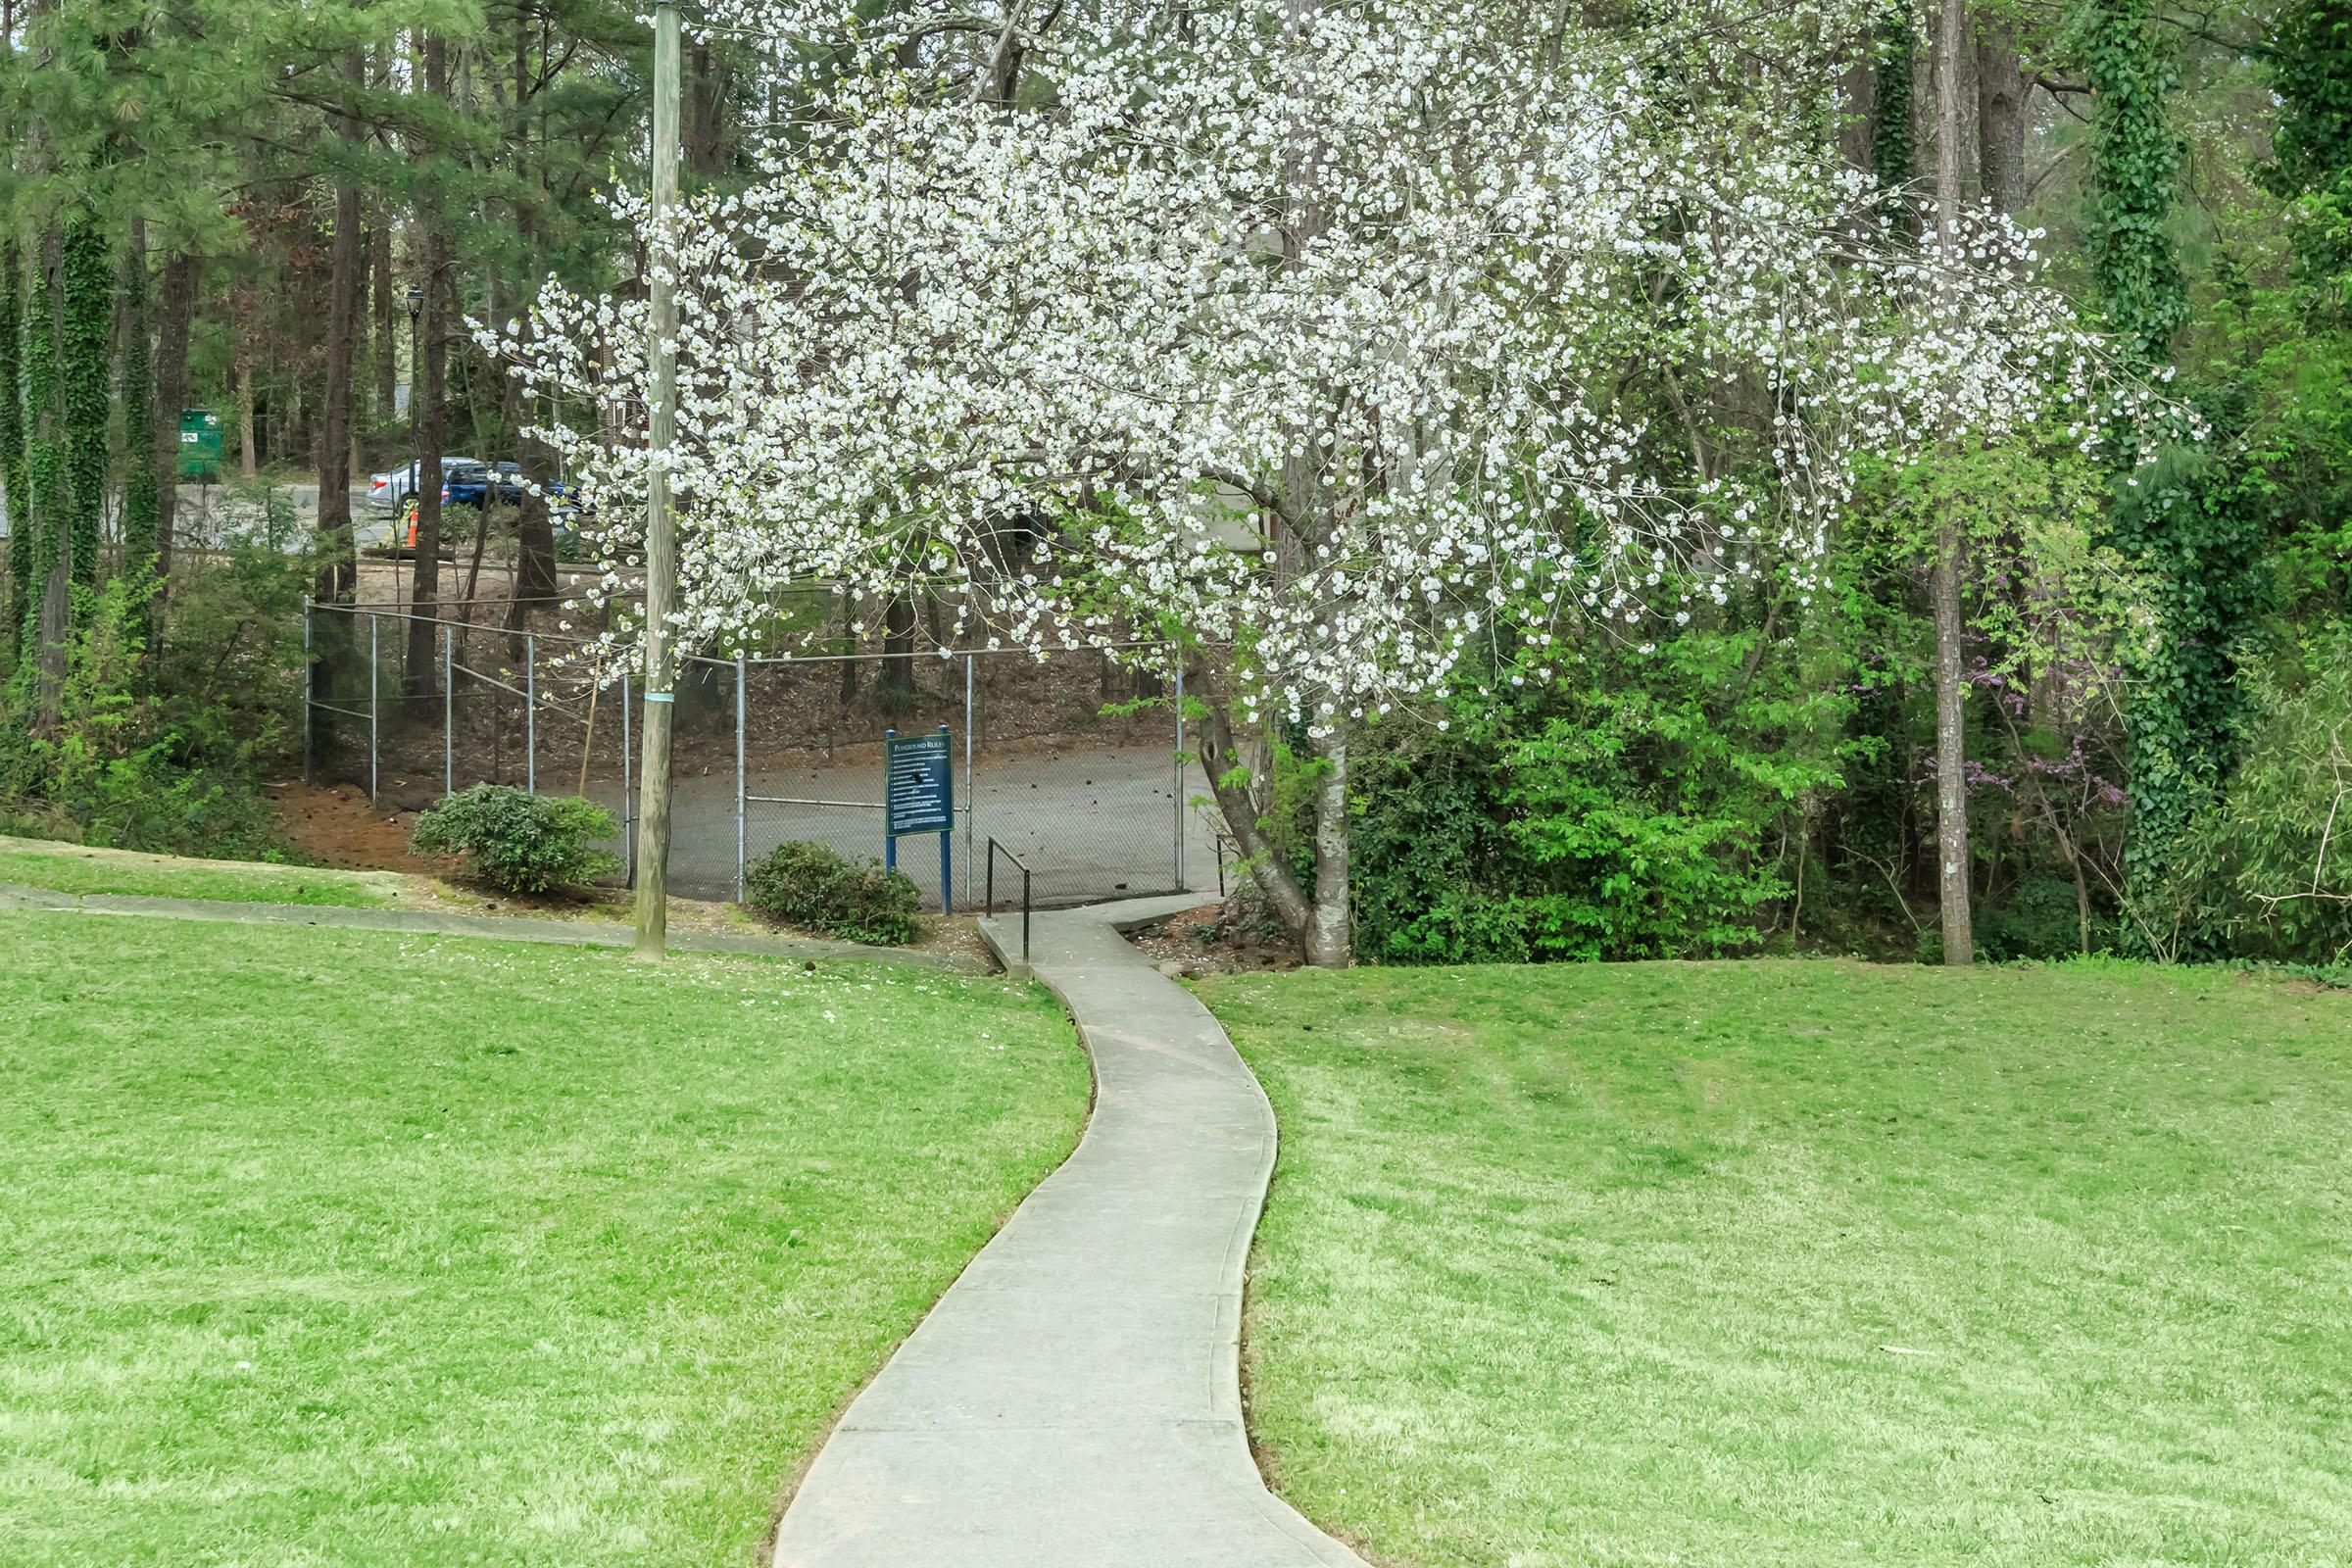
(918, 795)
(919, 792)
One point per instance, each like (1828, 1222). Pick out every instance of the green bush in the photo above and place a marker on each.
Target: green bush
(521, 842)
(2267, 874)
(811, 884)
(1622, 812)
(121, 765)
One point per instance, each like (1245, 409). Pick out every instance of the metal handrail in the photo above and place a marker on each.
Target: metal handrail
(988, 897)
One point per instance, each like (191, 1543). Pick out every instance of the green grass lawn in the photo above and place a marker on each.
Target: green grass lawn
(1806, 1264)
(334, 1247)
(74, 868)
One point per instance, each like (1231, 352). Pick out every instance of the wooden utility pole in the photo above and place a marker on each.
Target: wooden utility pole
(660, 524)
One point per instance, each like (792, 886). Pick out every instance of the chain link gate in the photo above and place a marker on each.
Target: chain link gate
(1075, 763)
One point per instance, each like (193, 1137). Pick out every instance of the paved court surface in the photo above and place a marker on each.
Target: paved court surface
(1073, 1400)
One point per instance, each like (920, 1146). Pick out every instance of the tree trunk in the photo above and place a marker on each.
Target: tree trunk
(708, 75)
(141, 514)
(176, 314)
(2000, 115)
(896, 679)
(1951, 719)
(12, 438)
(1239, 806)
(1330, 937)
(849, 646)
(338, 565)
(424, 574)
(248, 459)
(45, 461)
(1859, 87)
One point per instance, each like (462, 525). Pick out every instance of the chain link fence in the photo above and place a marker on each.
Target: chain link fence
(1075, 763)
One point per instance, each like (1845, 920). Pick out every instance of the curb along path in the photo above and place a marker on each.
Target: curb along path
(1073, 1400)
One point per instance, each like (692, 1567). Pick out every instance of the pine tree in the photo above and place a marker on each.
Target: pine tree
(141, 503)
(11, 439)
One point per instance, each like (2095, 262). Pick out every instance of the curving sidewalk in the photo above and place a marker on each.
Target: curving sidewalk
(1073, 1400)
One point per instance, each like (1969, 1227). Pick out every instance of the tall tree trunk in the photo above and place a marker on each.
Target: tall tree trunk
(175, 316)
(248, 457)
(1230, 781)
(338, 561)
(534, 532)
(1859, 87)
(384, 312)
(2000, 114)
(142, 520)
(708, 75)
(1330, 939)
(1951, 716)
(895, 682)
(12, 437)
(424, 577)
(45, 465)
(1892, 155)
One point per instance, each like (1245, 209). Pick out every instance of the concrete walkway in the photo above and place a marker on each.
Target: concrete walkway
(1073, 1400)
(430, 923)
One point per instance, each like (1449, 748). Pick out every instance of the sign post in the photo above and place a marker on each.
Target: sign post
(918, 795)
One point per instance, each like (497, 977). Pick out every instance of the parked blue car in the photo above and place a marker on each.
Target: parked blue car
(471, 486)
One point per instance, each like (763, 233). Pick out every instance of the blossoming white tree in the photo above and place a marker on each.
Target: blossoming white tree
(1477, 328)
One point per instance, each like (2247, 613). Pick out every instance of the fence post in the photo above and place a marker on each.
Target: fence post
(971, 802)
(309, 680)
(449, 712)
(1178, 661)
(947, 847)
(373, 681)
(530, 713)
(741, 782)
(629, 792)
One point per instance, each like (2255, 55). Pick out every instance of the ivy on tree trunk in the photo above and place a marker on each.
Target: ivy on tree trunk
(142, 517)
(2189, 520)
(11, 436)
(88, 279)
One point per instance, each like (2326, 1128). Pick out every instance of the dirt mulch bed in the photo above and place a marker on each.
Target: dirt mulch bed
(336, 824)
(1215, 940)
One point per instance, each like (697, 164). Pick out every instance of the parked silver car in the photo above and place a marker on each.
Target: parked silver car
(386, 491)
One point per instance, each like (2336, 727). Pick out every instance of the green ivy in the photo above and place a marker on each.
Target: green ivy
(1896, 63)
(44, 463)
(12, 432)
(142, 499)
(2135, 161)
(2196, 521)
(2312, 146)
(83, 358)
(2192, 521)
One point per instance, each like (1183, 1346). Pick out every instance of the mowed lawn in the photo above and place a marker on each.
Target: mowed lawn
(77, 869)
(1806, 1264)
(338, 1248)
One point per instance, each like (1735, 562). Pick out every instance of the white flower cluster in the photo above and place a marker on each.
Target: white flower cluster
(1473, 334)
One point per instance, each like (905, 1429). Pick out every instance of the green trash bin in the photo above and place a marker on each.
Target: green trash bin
(200, 444)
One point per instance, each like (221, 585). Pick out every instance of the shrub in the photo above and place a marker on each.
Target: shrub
(118, 765)
(1623, 812)
(2267, 874)
(811, 884)
(521, 842)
